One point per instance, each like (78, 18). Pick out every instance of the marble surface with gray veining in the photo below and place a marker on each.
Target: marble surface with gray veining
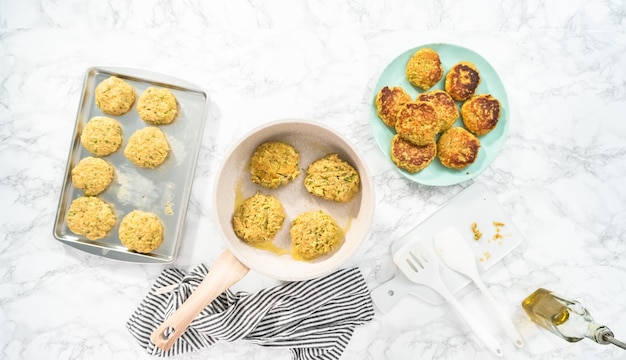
(560, 176)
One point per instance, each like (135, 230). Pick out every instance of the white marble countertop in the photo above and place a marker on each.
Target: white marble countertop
(560, 176)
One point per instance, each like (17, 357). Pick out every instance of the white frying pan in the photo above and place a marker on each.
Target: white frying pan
(233, 185)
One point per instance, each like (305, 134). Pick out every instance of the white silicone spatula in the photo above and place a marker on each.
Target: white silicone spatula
(422, 268)
(458, 255)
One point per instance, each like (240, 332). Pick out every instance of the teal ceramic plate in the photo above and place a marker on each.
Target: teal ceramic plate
(491, 144)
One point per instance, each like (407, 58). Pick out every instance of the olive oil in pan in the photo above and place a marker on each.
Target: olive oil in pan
(269, 245)
(239, 197)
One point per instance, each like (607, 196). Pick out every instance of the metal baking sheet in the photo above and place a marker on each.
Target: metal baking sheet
(164, 191)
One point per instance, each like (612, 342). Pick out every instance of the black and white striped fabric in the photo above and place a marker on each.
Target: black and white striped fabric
(315, 318)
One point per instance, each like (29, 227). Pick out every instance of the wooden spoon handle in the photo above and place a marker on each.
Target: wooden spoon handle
(226, 271)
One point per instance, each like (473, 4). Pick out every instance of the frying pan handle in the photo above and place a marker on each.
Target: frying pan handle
(226, 271)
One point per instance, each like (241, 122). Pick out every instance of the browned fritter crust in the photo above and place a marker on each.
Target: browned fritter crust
(481, 113)
(417, 122)
(424, 68)
(409, 157)
(388, 102)
(444, 105)
(462, 80)
(457, 148)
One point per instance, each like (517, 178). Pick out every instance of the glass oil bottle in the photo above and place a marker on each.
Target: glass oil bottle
(566, 318)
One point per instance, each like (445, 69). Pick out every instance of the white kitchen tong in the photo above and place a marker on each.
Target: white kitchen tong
(423, 268)
(457, 255)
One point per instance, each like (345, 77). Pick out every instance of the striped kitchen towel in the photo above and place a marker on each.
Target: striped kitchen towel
(315, 318)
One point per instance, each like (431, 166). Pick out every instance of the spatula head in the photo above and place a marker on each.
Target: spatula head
(414, 262)
(454, 250)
